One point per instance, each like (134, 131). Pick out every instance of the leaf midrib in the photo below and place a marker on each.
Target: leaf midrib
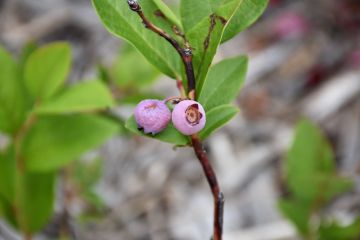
(214, 11)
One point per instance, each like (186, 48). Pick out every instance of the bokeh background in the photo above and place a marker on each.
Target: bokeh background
(304, 62)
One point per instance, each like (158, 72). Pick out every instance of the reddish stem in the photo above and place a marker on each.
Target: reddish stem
(186, 56)
(185, 53)
(212, 180)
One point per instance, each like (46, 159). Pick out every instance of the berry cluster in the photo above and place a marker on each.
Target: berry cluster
(153, 116)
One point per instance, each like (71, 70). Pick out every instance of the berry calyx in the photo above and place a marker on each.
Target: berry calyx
(188, 117)
(152, 116)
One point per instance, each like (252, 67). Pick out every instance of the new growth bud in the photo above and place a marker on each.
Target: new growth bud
(188, 117)
(152, 116)
(134, 5)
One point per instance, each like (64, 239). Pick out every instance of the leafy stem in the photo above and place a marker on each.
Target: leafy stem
(20, 164)
(19, 137)
(186, 56)
(185, 53)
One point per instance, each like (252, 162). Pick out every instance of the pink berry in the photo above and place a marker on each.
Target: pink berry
(188, 117)
(152, 115)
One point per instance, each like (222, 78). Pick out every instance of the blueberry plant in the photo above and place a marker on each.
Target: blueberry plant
(183, 48)
(47, 124)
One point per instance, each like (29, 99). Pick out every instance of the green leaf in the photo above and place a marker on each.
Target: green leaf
(2, 209)
(336, 185)
(82, 97)
(298, 212)
(310, 162)
(103, 74)
(131, 69)
(47, 69)
(26, 52)
(54, 141)
(7, 212)
(168, 13)
(311, 177)
(124, 23)
(7, 175)
(223, 82)
(204, 22)
(169, 135)
(35, 200)
(7, 186)
(32, 195)
(248, 12)
(217, 117)
(12, 96)
(335, 231)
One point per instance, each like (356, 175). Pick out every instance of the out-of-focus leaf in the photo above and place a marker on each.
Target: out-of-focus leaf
(217, 117)
(56, 140)
(204, 22)
(26, 198)
(223, 82)
(82, 97)
(124, 23)
(2, 209)
(310, 159)
(26, 52)
(336, 186)
(298, 212)
(103, 74)
(169, 135)
(7, 186)
(7, 175)
(47, 69)
(12, 102)
(35, 200)
(311, 176)
(135, 98)
(335, 231)
(7, 212)
(132, 69)
(248, 12)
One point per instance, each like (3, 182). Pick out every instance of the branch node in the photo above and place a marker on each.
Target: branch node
(187, 52)
(134, 5)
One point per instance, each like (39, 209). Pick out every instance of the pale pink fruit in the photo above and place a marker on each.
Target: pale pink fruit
(152, 116)
(188, 117)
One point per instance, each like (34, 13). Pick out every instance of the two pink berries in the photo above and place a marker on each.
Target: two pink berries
(153, 116)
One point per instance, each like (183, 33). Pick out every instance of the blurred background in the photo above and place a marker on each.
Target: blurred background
(304, 62)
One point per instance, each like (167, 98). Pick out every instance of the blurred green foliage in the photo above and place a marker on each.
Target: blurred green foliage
(312, 181)
(130, 76)
(48, 125)
(131, 69)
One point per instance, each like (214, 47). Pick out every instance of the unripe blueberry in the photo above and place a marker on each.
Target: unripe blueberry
(188, 117)
(152, 115)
